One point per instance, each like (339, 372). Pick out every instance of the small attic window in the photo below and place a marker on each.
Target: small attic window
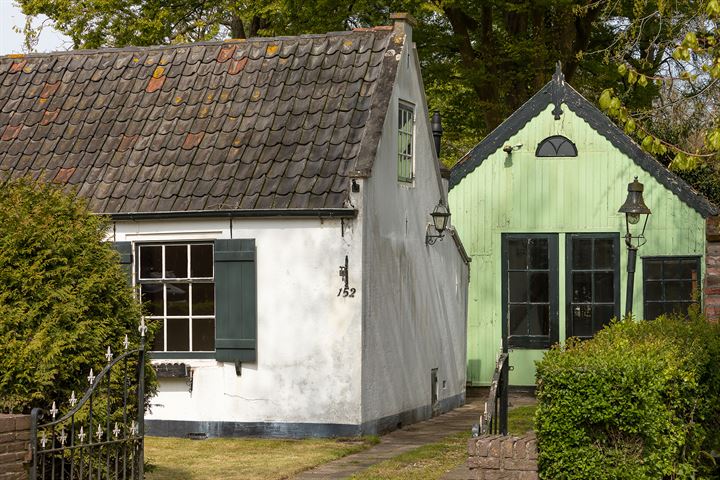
(556, 146)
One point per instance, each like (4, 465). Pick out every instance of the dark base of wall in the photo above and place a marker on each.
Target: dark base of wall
(195, 429)
(189, 428)
(408, 417)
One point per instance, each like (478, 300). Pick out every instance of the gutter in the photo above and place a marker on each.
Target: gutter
(256, 213)
(460, 247)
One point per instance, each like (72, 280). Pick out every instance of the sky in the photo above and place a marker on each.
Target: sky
(12, 42)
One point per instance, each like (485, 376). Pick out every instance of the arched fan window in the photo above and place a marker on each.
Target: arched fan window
(556, 146)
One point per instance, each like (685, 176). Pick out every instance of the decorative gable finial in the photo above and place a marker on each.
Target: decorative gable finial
(558, 75)
(557, 90)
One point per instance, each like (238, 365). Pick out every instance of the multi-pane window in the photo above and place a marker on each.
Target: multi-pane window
(177, 286)
(593, 289)
(670, 284)
(406, 129)
(530, 289)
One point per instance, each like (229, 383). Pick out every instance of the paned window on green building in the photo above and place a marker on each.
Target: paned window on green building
(593, 282)
(670, 285)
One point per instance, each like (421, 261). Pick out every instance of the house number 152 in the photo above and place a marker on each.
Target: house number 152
(346, 292)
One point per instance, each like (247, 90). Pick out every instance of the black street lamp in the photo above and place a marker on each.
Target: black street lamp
(633, 208)
(440, 217)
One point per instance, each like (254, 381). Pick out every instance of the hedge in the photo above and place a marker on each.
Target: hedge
(64, 297)
(641, 400)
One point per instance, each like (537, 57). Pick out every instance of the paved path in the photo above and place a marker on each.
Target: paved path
(401, 441)
(412, 437)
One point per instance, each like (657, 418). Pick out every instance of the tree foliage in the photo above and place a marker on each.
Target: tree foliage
(684, 65)
(481, 60)
(63, 296)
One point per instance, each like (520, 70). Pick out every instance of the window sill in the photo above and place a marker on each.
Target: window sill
(180, 355)
(528, 343)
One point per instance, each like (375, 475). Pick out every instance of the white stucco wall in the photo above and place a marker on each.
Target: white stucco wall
(309, 339)
(415, 295)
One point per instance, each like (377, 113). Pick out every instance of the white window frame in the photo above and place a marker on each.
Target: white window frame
(406, 161)
(189, 279)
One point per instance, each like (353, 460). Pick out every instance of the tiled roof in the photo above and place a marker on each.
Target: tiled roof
(270, 124)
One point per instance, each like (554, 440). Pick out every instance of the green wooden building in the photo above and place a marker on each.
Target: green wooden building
(536, 205)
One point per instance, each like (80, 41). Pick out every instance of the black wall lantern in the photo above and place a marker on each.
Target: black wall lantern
(440, 217)
(634, 209)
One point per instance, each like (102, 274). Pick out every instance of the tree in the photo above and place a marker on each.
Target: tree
(481, 60)
(64, 297)
(681, 126)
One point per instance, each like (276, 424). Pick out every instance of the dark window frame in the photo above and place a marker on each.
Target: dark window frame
(615, 236)
(189, 279)
(532, 341)
(698, 261)
(561, 144)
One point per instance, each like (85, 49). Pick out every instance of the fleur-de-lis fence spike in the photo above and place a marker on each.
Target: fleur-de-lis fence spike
(116, 430)
(73, 399)
(82, 435)
(142, 328)
(54, 411)
(43, 440)
(126, 342)
(91, 377)
(133, 428)
(109, 355)
(63, 437)
(99, 433)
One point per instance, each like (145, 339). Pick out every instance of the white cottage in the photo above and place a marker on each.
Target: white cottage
(271, 200)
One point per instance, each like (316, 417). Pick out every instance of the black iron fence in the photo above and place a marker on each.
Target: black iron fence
(495, 418)
(102, 434)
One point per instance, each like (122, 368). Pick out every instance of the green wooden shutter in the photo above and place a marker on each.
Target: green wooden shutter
(235, 301)
(125, 250)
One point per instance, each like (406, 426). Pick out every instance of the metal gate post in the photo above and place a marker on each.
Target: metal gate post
(141, 402)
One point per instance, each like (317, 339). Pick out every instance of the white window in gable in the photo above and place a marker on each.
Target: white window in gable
(406, 147)
(177, 286)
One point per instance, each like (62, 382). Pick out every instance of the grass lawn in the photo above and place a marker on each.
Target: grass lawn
(520, 419)
(242, 458)
(247, 459)
(428, 462)
(431, 462)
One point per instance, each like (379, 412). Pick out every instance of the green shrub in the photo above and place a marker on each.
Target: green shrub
(63, 296)
(639, 401)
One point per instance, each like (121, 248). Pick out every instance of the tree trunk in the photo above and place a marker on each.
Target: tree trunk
(237, 28)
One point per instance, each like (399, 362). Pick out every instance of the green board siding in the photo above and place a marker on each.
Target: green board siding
(524, 194)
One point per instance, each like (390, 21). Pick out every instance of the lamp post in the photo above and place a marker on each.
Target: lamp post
(440, 216)
(633, 208)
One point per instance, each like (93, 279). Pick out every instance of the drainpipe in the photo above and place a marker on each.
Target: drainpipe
(437, 131)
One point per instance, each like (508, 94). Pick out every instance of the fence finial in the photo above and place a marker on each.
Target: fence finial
(91, 377)
(73, 399)
(82, 435)
(109, 355)
(142, 328)
(126, 342)
(54, 411)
